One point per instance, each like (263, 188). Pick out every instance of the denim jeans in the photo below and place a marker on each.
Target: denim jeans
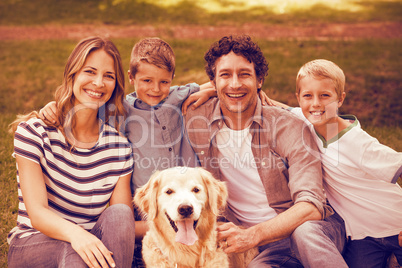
(313, 244)
(275, 255)
(372, 252)
(115, 228)
(320, 243)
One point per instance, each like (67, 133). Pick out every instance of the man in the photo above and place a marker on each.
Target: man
(266, 156)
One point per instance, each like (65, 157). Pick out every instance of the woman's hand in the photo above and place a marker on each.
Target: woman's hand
(92, 251)
(33, 188)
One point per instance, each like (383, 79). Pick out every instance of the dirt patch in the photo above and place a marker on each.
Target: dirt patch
(261, 31)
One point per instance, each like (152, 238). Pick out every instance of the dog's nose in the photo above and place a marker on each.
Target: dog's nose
(185, 210)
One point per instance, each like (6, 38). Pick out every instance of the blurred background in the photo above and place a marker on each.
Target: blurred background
(364, 37)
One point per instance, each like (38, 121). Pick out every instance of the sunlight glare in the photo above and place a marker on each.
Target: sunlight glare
(279, 7)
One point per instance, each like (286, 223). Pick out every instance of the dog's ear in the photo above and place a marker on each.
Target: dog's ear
(217, 191)
(146, 196)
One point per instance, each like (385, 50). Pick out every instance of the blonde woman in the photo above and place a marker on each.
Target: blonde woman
(75, 205)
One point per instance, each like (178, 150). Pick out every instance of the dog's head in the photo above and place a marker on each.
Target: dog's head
(188, 199)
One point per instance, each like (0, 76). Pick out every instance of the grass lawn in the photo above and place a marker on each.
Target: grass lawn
(371, 66)
(205, 12)
(31, 70)
(30, 78)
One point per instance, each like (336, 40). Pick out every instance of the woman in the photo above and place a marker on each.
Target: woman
(75, 206)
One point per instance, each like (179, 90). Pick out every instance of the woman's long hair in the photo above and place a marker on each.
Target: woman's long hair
(112, 110)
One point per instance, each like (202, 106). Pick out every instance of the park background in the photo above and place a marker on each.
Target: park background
(364, 37)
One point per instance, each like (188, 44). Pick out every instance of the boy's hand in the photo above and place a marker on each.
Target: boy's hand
(265, 99)
(207, 85)
(207, 91)
(49, 112)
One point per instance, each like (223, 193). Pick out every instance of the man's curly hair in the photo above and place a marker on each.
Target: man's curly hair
(240, 45)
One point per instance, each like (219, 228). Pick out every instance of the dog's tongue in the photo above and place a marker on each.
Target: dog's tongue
(186, 233)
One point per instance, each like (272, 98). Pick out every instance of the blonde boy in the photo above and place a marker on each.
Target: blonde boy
(360, 174)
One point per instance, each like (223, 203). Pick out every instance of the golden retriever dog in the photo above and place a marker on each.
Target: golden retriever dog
(181, 206)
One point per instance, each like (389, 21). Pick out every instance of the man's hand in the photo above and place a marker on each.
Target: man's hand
(234, 238)
(49, 112)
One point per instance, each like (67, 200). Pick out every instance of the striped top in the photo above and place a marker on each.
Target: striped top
(79, 182)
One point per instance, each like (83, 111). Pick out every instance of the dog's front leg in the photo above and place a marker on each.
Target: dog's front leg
(153, 256)
(216, 259)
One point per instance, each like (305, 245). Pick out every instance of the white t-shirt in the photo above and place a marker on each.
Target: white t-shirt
(247, 197)
(360, 181)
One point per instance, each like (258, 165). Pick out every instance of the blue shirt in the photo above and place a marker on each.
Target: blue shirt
(157, 134)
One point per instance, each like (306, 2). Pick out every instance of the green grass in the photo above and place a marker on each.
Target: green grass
(8, 187)
(28, 81)
(206, 12)
(31, 70)
(371, 66)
